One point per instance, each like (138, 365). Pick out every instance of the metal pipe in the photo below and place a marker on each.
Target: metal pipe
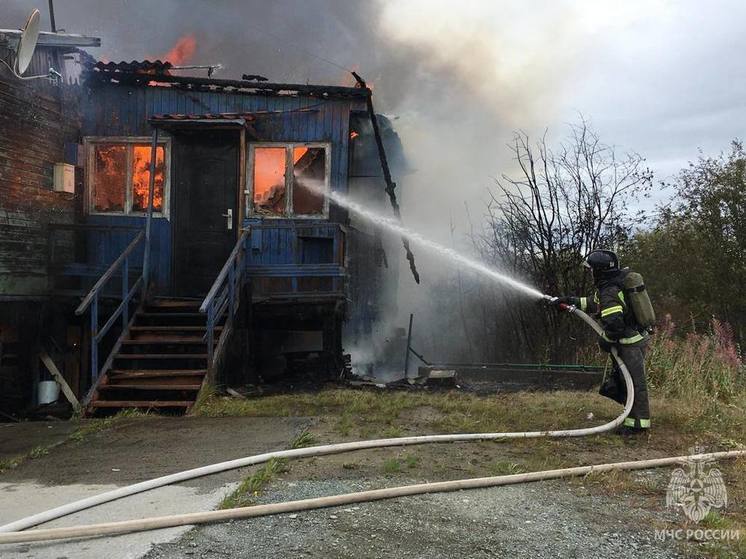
(409, 344)
(149, 219)
(52, 23)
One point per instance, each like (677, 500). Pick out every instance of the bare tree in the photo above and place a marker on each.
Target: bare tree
(560, 206)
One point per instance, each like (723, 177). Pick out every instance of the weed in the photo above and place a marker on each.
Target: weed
(205, 394)
(715, 520)
(411, 461)
(392, 466)
(503, 468)
(303, 439)
(10, 463)
(244, 494)
(38, 452)
(392, 432)
(93, 426)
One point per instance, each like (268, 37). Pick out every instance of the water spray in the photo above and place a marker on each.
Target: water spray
(395, 227)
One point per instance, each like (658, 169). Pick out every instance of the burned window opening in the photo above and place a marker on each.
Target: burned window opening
(119, 176)
(286, 179)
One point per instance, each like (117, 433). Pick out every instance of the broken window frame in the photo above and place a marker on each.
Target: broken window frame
(90, 142)
(289, 167)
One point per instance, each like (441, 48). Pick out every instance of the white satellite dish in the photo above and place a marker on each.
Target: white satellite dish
(27, 42)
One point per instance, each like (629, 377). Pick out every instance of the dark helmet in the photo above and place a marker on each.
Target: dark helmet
(602, 261)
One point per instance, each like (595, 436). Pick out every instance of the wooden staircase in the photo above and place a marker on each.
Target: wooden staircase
(161, 363)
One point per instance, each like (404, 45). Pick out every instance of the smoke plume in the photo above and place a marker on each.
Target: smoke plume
(458, 77)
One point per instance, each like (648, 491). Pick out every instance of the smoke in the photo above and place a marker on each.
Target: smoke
(458, 77)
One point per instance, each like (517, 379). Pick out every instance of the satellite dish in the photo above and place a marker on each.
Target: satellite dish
(27, 43)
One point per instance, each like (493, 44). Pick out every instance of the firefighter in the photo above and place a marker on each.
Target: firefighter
(621, 329)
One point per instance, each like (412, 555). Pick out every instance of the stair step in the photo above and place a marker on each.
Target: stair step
(175, 303)
(160, 356)
(174, 328)
(141, 404)
(166, 341)
(190, 387)
(172, 314)
(116, 374)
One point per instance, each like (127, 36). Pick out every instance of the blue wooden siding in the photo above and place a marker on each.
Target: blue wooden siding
(104, 247)
(113, 110)
(122, 110)
(291, 258)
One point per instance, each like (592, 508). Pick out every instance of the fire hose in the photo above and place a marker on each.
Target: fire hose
(12, 532)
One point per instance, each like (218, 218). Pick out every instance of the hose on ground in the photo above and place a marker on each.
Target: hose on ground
(323, 450)
(195, 518)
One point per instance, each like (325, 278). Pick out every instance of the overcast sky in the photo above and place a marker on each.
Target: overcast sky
(662, 78)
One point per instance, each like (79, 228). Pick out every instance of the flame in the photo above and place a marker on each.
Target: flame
(141, 178)
(269, 180)
(182, 52)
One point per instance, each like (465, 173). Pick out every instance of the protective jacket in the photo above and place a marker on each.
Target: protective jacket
(607, 303)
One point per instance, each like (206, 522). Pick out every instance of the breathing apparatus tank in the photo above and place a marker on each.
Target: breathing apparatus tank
(638, 299)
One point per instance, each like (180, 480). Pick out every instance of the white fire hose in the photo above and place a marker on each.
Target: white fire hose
(12, 532)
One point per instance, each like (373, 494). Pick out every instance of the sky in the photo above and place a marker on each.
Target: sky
(661, 78)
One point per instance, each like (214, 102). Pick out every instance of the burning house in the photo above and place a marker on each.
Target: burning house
(160, 231)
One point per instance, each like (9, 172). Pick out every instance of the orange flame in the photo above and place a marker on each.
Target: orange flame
(182, 52)
(141, 178)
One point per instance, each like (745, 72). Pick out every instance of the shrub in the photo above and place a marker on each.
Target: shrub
(696, 365)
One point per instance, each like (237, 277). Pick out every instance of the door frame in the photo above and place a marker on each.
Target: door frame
(174, 192)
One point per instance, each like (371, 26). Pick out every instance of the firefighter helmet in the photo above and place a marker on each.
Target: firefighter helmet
(602, 261)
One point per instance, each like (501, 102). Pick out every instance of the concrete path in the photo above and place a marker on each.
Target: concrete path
(135, 451)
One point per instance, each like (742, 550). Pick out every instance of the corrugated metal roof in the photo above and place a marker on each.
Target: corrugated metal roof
(136, 66)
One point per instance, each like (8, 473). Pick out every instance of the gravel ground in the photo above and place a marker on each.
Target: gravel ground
(539, 520)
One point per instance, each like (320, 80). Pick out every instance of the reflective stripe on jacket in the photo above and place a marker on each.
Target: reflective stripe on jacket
(608, 305)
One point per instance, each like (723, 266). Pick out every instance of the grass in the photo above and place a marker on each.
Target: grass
(10, 463)
(391, 466)
(303, 439)
(505, 468)
(251, 487)
(205, 393)
(93, 426)
(353, 410)
(38, 452)
(398, 464)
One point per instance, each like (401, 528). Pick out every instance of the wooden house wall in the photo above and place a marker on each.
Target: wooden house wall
(36, 120)
(114, 110)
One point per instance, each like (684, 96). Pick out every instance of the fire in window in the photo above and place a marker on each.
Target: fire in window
(109, 177)
(141, 178)
(120, 177)
(289, 180)
(269, 181)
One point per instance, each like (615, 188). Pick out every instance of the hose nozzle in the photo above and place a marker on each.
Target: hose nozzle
(550, 300)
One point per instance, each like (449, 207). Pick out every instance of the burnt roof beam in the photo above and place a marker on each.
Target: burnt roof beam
(332, 90)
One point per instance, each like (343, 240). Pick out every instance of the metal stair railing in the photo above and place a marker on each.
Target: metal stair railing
(224, 297)
(128, 293)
